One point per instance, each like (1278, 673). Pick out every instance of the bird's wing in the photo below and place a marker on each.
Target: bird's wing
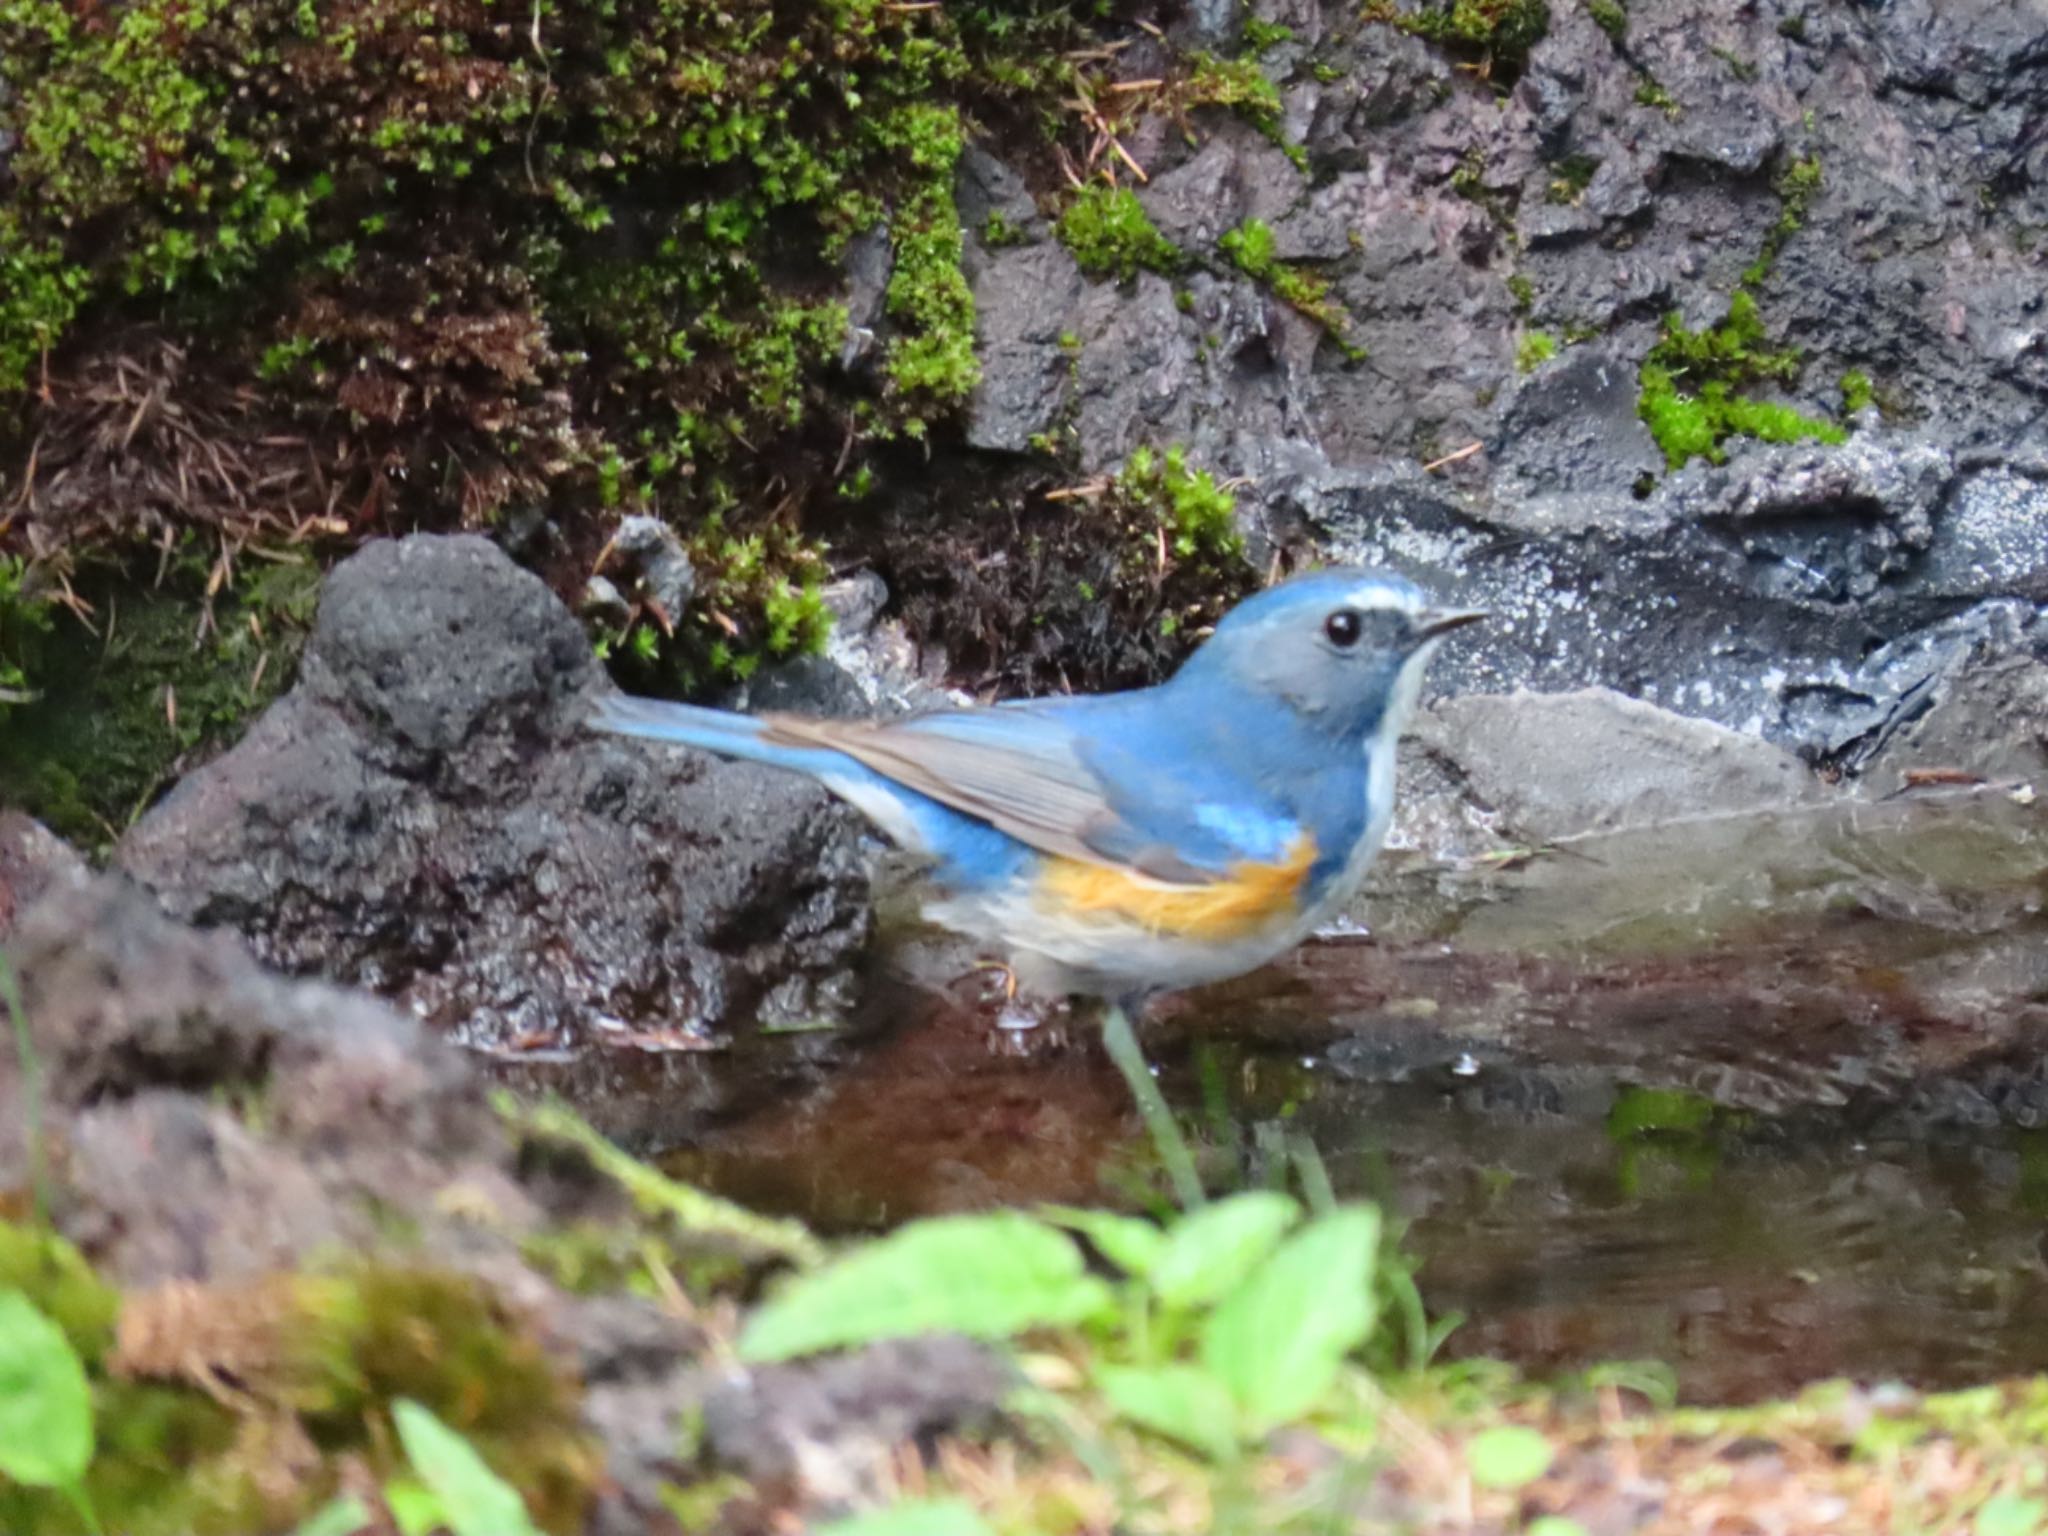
(1019, 769)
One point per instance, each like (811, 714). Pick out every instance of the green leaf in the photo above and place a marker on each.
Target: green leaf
(1507, 1456)
(1278, 1341)
(415, 1508)
(1181, 1402)
(45, 1400)
(990, 1276)
(2011, 1514)
(1209, 1251)
(475, 1501)
(1555, 1525)
(1131, 1243)
(913, 1517)
(344, 1516)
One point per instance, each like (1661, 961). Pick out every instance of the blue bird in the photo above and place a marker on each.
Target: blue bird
(1125, 844)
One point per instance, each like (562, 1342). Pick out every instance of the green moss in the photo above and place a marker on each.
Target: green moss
(1242, 87)
(1260, 34)
(1534, 350)
(1110, 234)
(1198, 514)
(1651, 94)
(1796, 185)
(759, 599)
(1522, 291)
(998, 233)
(1502, 30)
(1691, 381)
(584, 255)
(1574, 174)
(1610, 16)
(164, 673)
(25, 623)
(59, 1283)
(1858, 393)
(1250, 248)
(932, 365)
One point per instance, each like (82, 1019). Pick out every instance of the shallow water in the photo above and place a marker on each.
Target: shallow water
(1765, 1098)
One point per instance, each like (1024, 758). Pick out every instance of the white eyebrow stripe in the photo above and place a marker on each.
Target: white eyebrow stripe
(1380, 597)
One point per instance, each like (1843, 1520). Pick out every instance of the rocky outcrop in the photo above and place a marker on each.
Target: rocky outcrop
(425, 814)
(1871, 176)
(219, 1122)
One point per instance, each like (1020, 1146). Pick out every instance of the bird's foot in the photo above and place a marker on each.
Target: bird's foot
(1026, 1026)
(988, 971)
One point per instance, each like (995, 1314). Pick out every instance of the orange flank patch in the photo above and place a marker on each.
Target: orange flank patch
(1251, 897)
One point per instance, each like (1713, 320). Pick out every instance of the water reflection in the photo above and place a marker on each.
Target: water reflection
(1763, 1098)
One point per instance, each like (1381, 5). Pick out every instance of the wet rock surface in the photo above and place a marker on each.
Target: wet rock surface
(1759, 1094)
(426, 815)
(1559, 765)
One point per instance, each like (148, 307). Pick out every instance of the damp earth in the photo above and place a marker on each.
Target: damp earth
(1762, 1097)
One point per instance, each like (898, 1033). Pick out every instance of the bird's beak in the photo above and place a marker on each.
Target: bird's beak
(1432, 622)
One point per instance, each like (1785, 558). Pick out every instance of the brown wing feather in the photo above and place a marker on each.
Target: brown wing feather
(1047, 799)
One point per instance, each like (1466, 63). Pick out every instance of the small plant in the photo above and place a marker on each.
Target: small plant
(1796, 186)
(1691, 382)
(1574, 174)
(1742, 69)
(1858, 393)
(1111, 235)
(1223, 1326)
(1610, 16)
(1261, 34)
(1649, 93)
(1242, 87)
(1199, 515)
(997, 232)
(24, 622)
(1503, 31)
(1250, 247)
(1534, 350)
(46, 1428)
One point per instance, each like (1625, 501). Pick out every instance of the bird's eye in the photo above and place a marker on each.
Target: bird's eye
(1343, 627)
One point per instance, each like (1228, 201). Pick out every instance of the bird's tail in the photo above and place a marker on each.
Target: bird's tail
(712, 730)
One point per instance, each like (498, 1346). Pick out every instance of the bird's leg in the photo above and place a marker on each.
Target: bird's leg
(992, 967)
(1121, 1040)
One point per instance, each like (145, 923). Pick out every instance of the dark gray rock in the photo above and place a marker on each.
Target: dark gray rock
(1570, 435)
(1800, 593)
(33, 859)
(1025, 298)
(154, 1038)
(1990, 720)
(653, 558)
(426, 814)
(870, 259)
(985, 186)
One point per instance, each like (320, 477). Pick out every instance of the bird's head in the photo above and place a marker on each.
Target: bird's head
(1344, 647)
